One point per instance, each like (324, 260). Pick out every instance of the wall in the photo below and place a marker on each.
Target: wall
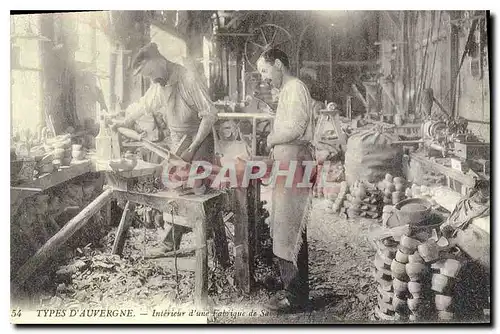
(474, 91)
(434, 65)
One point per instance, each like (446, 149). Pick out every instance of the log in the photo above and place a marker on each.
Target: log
(50, 247)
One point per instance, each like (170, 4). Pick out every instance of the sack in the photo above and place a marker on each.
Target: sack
(370, 156)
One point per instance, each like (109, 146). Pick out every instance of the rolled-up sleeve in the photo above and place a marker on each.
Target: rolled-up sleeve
(150, 102)
(293, 114)
(196, 96)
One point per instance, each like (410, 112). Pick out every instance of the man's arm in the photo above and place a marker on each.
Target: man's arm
(293, 119)
(149, 103)
(197, 96)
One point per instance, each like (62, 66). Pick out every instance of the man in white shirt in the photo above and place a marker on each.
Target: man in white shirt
(290, 140)
(185, 106)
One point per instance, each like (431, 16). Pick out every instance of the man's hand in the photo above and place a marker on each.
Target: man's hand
(118, 123)
(188, 154)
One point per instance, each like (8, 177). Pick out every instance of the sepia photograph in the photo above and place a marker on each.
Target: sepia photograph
(250, 167)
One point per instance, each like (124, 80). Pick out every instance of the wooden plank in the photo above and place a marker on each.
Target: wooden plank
(122, 228)
(185, 206)
(65, 174)
(143, 168)
(50, 247)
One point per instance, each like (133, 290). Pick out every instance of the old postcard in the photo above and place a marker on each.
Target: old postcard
(253, 167)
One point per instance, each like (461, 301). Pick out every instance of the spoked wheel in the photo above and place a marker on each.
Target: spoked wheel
(266, 37)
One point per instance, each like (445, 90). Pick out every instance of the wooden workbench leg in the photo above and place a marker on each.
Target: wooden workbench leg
(125, 222)
(219, 234)
(243, 230)
(256, 223)
(201, 273)
(108, 215)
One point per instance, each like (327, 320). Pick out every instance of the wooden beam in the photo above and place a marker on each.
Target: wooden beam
(122, 228)
(185, 205)
(50, 247)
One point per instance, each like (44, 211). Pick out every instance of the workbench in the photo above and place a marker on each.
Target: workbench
(194, 211)
(66, 173)
(455, 179)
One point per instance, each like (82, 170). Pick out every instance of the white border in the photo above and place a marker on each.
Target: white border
(225, 4)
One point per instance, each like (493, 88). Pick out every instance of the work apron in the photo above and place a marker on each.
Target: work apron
(291, 206)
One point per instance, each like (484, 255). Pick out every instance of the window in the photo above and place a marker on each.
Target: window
(93, 64)
(26, 73)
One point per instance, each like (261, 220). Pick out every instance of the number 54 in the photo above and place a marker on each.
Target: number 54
(15, 313)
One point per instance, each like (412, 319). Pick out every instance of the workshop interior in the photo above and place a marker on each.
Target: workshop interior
(400, 115)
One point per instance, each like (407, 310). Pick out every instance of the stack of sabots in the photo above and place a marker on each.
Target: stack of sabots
(364, 200)
(425, 266)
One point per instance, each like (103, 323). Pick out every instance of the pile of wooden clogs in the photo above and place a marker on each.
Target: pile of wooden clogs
(423, 275)
(364, 200)
(394, 189)
(386, 253)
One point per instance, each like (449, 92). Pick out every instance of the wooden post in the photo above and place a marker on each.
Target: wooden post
(201, 255)
(254, 136)
(243, 230)
(122, 228)
(454, 62)
(219, 233)
(254, 199)
(50, 247)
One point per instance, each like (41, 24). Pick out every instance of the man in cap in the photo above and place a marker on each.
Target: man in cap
(185, 106)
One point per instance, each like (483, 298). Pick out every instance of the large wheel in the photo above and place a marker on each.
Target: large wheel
(266, 37)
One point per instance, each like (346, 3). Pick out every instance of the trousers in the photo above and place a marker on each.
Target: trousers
(295, 278)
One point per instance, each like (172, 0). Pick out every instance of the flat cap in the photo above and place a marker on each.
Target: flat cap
(147, 52)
